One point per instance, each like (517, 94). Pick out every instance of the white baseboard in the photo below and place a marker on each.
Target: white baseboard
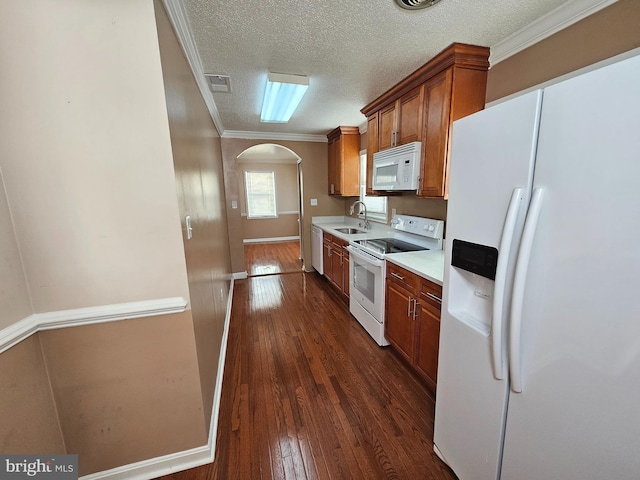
(240, 275)
(195, 457)
(157, 467)
(270, 240)
(17, 332)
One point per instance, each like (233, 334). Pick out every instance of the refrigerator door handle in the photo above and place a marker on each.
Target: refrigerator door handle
(497, 323)
(522, 265)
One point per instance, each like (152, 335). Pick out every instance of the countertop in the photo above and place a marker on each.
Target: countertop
(428, 264)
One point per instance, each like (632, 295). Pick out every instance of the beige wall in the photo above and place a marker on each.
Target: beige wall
(28, 418)
(200, 187)
(86, 157)
(286, 178)
(286, 225)
(270, 228)
(604, 34)
(14, 293)
(85, 153)
(126, 391)
(314, 185)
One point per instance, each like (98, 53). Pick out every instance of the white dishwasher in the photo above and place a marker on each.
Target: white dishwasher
(316, 249)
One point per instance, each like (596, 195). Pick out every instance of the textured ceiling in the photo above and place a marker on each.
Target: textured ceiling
(352, 51)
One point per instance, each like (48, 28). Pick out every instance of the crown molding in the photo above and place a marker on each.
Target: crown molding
(178, 17)
(554, 21)
(294, 137)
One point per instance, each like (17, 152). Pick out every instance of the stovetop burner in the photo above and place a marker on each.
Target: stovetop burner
(389, 245)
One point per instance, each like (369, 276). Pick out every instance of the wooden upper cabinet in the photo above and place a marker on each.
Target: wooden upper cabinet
(423, 107)
(344, 161)
(410, 107)
(387, 127)
(436, 135)
(401, 121)
(372, 147)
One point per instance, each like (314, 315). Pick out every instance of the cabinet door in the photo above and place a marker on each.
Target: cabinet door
(345, 270)
(349, 165)
(337, 261)
(436, 135)
(410, 108)
(333, 167)
(386, 127)
(399, 327)
(326, 255)
(372, 147)
(427, 343)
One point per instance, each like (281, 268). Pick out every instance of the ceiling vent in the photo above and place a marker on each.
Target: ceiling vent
(218, 83)
(416, 4)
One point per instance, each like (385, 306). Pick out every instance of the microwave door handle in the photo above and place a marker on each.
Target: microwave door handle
(384, 163)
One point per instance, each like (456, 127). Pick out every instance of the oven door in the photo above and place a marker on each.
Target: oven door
(366, 282)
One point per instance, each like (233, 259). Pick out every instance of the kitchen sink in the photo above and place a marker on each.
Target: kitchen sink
(349, 230)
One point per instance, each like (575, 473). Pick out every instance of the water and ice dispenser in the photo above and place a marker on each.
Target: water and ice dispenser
(471, 284)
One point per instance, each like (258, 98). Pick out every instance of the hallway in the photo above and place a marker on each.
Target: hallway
(272, 258)
(307, 394)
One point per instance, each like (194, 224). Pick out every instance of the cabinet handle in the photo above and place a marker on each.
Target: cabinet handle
(329, 249)
(333, 188)
(409, 306)
(399, 277)
(433, 297)
(415, 309)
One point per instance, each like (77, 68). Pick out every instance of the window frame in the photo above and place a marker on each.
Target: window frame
(247, 174)
(373, 215)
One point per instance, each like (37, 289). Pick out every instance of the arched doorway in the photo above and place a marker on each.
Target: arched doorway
(271, 209)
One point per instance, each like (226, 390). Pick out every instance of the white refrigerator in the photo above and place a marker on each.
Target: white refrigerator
(539, 363)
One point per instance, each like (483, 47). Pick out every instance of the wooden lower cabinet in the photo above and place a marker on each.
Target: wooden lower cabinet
(399, 327)
(336, 262)
(412, 320)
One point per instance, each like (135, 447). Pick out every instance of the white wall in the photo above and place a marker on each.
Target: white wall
(85, 153)
(14, 295)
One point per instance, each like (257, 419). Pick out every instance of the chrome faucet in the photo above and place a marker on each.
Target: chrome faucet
(366, 220)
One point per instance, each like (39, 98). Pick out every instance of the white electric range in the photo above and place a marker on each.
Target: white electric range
(367, 267)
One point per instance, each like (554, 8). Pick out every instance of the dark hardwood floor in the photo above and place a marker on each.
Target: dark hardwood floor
(272, 258)
(308, 395)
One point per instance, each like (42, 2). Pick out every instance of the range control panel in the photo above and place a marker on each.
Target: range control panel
(426, 227)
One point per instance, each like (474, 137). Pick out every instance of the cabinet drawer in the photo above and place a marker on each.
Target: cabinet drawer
(431, 293)
(400, 276)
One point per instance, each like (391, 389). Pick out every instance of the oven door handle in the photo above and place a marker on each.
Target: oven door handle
(365, 257)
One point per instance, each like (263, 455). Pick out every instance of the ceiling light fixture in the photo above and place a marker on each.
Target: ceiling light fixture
(282, 96)
(416, 4)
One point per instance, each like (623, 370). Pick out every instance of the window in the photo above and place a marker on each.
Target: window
(376, 206)
(261, 194)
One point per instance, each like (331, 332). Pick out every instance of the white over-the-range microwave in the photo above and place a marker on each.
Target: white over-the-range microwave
(397, 168)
